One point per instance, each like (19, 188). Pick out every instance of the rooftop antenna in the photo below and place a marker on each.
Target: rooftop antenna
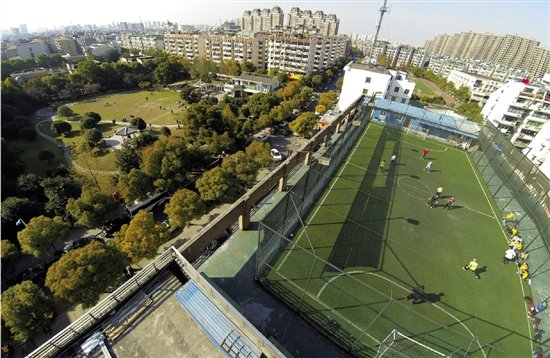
(383, 10)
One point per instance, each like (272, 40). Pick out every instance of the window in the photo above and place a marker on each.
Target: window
(406, 91)
(403, 100)
(393, 98)
(367, 80)
(396, 89)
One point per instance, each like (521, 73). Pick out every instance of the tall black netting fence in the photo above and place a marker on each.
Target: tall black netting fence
(325, 295)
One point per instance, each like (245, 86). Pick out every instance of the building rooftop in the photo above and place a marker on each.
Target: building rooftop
(368, 67)
(254, 77)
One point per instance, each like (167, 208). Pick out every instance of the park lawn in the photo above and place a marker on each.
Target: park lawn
(376, 226)
(422, 88)
(155, 107)
(27, 152)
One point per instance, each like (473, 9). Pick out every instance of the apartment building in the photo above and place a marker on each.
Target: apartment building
(304, 21)
(186, 44)
(304, 55)
(367, 80)
(511, 50)
(250, 83)
(538, 151)
(265, 20)
(141, 42)
(520, 109)
(300, 55)
(480, 86)
(29, 50)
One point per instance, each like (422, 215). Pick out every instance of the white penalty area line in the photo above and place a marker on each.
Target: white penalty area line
(406, 290)
(324, 196)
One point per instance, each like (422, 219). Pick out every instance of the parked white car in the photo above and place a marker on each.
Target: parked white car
(276, 155)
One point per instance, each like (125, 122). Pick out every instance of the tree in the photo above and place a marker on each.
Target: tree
(65, 111)
(242, 166)
(9, 250)
(127, 158)
(40, 233)
(169, 71)
(90, 208)
(82, 275)
(94, 115)
(316, 81)
(470, 110)
(88, 123)
(14, 208)
(340, 82)
(60, 127)
(92, 137)
(462, 94)
(135, 185)
(165, 131)
(321, 109)
(58, 190)
(184, 206)
(26, 310)
(217, 185)
(45, 155)
(259, 152)
(142, 237)
(304, 124)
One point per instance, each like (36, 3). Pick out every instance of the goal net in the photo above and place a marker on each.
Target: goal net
(397, 345)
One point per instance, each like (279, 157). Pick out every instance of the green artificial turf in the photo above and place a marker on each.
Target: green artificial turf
(376, 226)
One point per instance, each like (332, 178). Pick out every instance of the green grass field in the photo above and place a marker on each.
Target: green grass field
(376, 226)
(422, 88)
(154, 107)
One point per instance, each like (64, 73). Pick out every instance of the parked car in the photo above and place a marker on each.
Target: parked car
(285, 132)
(276, 155)
(75, 244)
(283, 124)
(35, 273)
(271, 130)
(262, 137)
(114, 225)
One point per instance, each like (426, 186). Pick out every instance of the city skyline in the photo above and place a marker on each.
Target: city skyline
(410, 22)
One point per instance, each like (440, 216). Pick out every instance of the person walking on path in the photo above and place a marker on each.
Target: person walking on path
(439, 191)
(382, 164)
(472, 266)
(428, 167)
(393, 159)
(424, 153)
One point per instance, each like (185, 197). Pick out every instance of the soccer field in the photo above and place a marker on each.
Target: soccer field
(371, 237)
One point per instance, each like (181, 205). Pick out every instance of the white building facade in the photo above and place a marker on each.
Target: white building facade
(520, 110)
(480, 86)
(366, 80)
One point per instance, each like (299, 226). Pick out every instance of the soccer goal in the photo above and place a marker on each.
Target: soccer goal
(397, 345)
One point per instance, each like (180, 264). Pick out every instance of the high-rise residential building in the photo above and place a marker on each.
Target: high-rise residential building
(265, 20)
(538, 151)
(23, 29)
(520, 109)
(300, 55)
(304, 21)
(32, 49)
(510, 50)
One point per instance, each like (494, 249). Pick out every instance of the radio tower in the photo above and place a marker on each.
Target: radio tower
(383, 9)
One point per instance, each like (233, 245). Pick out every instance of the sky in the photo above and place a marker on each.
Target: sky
(408, 21)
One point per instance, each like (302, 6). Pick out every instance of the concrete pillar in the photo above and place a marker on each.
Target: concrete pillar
(282, 183)
(338, 127)
(307, 159)
(244, 220)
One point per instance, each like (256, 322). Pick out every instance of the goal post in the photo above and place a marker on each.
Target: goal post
(397, 345)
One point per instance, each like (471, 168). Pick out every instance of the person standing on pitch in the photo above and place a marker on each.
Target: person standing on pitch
(428, 167)
(424, 153)
(382, 164)
(393, 159)
(472, 266)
